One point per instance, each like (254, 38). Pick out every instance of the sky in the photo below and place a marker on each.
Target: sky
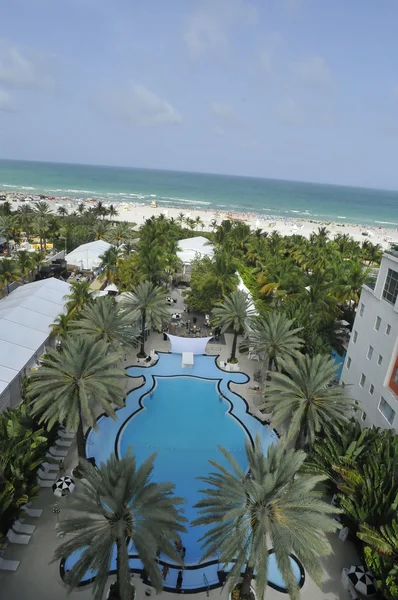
(285, 89)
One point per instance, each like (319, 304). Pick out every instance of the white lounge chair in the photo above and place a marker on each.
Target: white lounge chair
(44, 482)
(46, 475)
(46, 466)
(57, 452)
(56, 458)
(65, 443)
(67, 435)
(20, 527)
(9, 565)
(32, 512)
(16, 538)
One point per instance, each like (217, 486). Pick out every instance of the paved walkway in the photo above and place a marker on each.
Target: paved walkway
(39, 579)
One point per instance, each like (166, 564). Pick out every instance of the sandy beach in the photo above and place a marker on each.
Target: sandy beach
(138, 213)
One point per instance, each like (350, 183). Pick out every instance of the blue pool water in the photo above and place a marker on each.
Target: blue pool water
(183, 415)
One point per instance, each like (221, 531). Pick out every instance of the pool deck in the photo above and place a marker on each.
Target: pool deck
(37, 579)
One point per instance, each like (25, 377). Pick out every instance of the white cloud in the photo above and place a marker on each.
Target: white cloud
(219, 131)
(142, 107)
(314, 70)
(209, 28)
(287, 112)
(17, 70)
(6, 102)
(224, 111)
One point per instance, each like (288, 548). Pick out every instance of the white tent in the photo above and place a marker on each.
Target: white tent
(195, 247)
(87, 256)
(26, 316)
(241, 286)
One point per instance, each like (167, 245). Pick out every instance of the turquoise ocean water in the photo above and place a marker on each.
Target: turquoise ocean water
(204, 191)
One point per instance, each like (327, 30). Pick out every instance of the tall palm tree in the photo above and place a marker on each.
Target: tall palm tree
(100, 230)
(8, 272)
(121, 233)
(108, 263)
(60, 327)
(62, 211)
(79, 296)
(274, 335)
(271, 502)
(112, 211)
(72, 382)
(147, 301)
(117, 504)
(234, 312)
(105, 320)
(7, 228)
(305, 396)
(81, 208)
(25, 263)
(25, 218)
(42, 212)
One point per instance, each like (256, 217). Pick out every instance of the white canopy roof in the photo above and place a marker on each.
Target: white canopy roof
(241, 286)
(87, 256)
(195, 247)
(26, 316)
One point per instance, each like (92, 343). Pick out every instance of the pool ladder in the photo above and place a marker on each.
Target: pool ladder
(206, 585)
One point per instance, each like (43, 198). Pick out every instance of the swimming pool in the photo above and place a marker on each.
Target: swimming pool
(184, 415)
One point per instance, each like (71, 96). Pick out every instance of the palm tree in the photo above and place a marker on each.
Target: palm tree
(271, 502)
(25, 263)
(121, 233)
(100, 230)
(117, 504)
(147, 301)
(7, 228)
(8, 272)
(105, 320)
(60, 327)
(42, 212)
(81, 208)
(62, 211)
(112, 211)
(235, 312)
(72, 382)
(24, 215)
(108, 263)
(305, 395)
(79, 296)
(274, 335)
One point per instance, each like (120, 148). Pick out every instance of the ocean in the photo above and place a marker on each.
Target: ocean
(265, 197)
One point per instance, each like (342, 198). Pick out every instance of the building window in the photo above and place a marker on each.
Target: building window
(395, 376)
(386, 410)
(390, 291)
(362, 380)
(348, 362)
(380, 360)
(370, 352)
(363, 416)
(371, 389)
(388, 329)
(355, 337)
(361, 309)
(378, 323)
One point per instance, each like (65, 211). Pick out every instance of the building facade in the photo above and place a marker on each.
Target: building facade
(370, 371)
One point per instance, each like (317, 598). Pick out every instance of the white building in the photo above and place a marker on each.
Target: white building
(194, 247)
(371, 364)
(87, 256)
(26, 316)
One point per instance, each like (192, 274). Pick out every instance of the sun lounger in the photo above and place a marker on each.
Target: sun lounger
(32, 512)
(44, 482)
(16, 538)
(9, 565)
(67, 435)
(65, 443)
(46, 466)
(20, 527)
(56, 458)
(46, 475)
(57, 452)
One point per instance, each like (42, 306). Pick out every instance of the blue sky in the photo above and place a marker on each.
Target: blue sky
(289, 89)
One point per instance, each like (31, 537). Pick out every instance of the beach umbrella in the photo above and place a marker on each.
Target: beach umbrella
(362, 580)
(63, 486)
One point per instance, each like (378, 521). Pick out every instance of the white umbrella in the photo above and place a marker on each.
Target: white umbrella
(111, 288)
(362, 580)
(63, 486)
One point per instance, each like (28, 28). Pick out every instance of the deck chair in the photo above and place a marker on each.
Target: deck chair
(46, 475)
(56, 458)
(67, 435)
(65, 443)
(16, 538)
(45, 482)
(32, 512)
(57, 452)
(20, 527)
(46, 466)
(9, 565)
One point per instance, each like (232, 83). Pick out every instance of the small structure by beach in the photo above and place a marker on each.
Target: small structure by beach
(87, 256)
(194, 247)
